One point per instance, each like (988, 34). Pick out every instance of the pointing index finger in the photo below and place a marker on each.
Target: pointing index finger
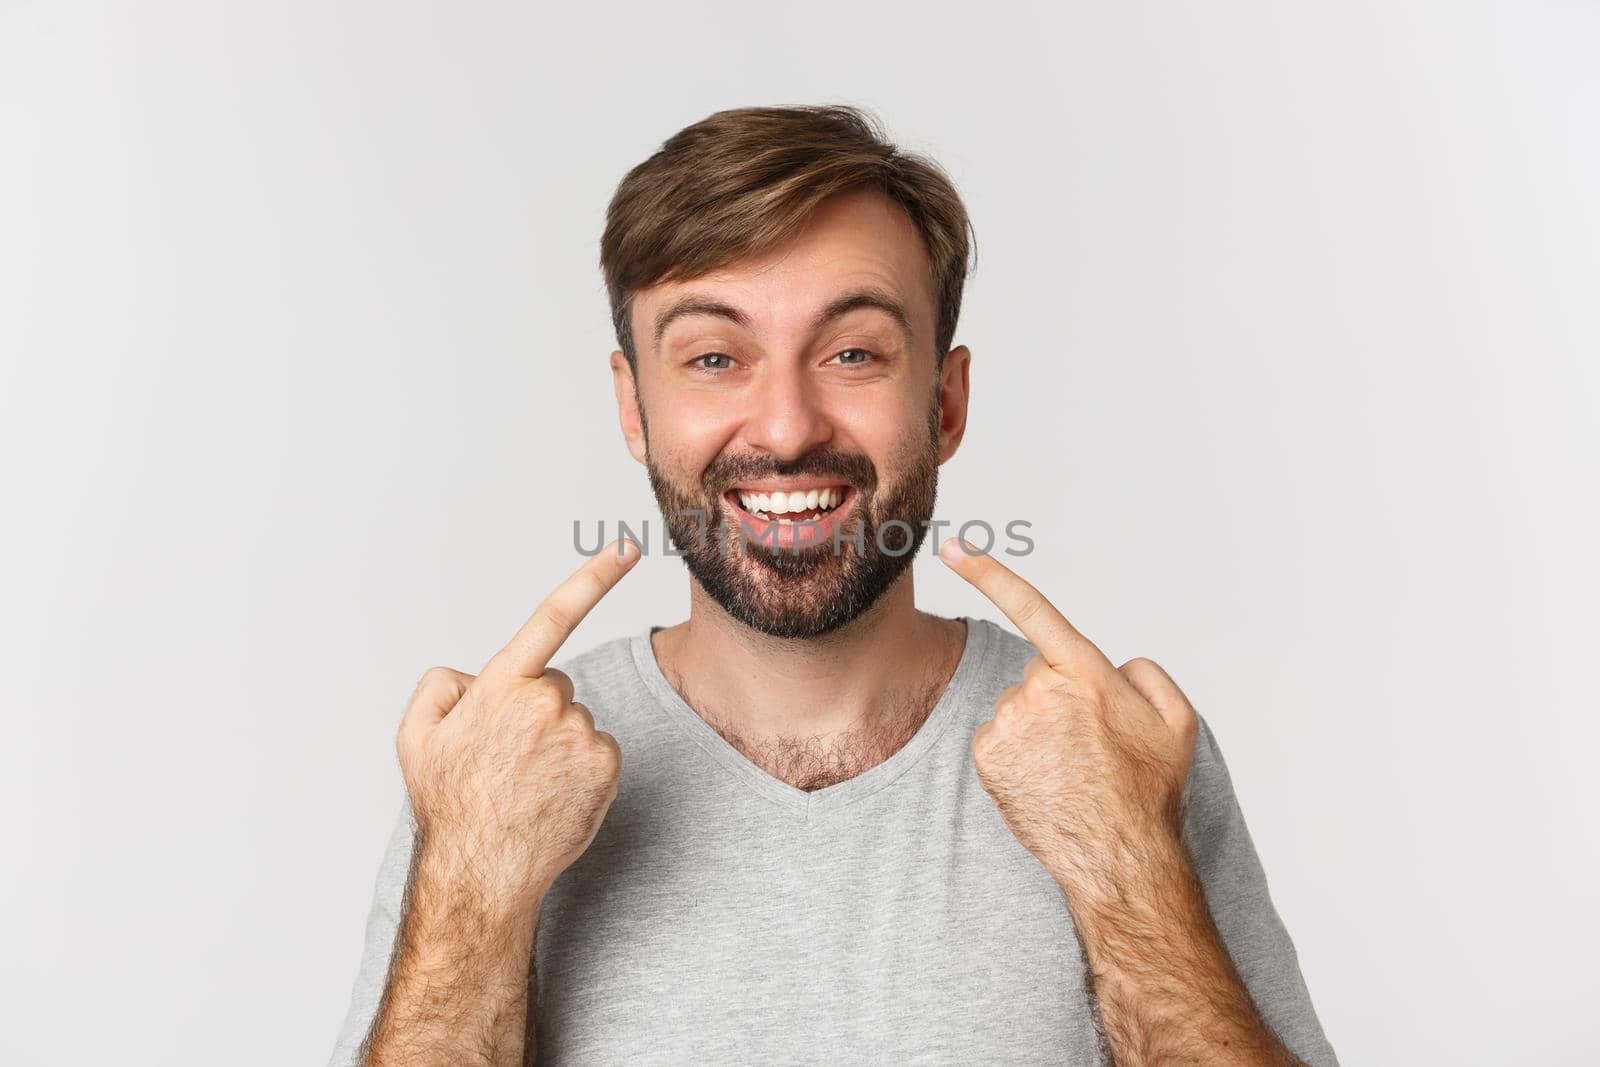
(528, 653)
(1057, 640)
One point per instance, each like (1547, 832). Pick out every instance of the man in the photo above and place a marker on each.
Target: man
(811, 823)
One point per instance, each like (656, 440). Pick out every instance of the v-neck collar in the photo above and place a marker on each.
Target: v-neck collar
(831, 798)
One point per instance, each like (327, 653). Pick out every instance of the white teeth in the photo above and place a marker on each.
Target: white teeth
(784, 503)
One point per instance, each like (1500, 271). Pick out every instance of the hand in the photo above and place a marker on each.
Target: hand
(507, 774)
(1087, 762)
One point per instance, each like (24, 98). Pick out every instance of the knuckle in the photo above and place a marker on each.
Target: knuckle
(536, 698)
(435, 680)
(1052, 689)
(608, 753)
(1029, 608)
(597, 586)
(1091, 687)
(557, 617)
(1005, 703)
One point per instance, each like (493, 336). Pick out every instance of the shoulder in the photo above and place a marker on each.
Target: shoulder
(1005, 653)
(994, 661)
(604, 668)
(615, 682)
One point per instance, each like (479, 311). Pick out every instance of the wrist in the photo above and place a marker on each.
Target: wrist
(1124, 869)
(495, 886)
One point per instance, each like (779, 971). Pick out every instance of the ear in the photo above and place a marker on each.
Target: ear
(628, 404)
(953, 392)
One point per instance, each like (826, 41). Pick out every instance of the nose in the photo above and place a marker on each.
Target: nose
(787, 418)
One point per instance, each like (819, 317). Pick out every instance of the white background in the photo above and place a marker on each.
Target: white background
(1285, 338)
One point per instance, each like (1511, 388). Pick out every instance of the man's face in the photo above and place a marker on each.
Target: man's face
(791, 417)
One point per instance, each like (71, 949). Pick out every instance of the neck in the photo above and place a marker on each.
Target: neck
(813, 711)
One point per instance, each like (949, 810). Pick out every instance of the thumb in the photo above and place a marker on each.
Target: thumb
(1162, 693)
(440, 690)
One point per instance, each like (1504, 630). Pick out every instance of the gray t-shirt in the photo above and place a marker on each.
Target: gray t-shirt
(722, 915)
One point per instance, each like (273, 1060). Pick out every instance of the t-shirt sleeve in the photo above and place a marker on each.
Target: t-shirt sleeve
(1235, 884)
(383, 919)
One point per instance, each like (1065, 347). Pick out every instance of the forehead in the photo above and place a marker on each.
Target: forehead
(855, 240)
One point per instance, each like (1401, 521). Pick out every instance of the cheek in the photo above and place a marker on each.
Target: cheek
(890, 430)
(905, 457)
(688, 435)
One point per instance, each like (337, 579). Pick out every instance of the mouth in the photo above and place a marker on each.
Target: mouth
(803, 512)
(786, 505)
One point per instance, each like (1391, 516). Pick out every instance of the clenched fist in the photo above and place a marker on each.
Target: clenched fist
(508, 777)
(1087, 762)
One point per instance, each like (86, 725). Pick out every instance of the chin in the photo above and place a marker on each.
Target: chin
(794, 596)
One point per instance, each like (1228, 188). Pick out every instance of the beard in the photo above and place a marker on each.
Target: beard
(801, 592)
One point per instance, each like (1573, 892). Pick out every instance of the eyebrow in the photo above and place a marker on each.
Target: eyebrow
(854, 300)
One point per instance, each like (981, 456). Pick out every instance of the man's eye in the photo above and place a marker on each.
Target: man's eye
(717, 361)
(854, 357)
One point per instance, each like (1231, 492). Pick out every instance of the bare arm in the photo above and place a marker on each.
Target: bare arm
(1087, 763)
(1167, 990)
(458, 983)
(509, 781)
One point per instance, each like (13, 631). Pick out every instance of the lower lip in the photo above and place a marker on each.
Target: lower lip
(806, 533)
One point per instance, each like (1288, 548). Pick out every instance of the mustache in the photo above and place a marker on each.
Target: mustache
(728, 471)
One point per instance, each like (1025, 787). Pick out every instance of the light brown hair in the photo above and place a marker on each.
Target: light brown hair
(744, 181)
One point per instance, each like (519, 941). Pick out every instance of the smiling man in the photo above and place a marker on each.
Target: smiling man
(811, 822)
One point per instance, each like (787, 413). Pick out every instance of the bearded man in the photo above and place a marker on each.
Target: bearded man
(811, 822)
